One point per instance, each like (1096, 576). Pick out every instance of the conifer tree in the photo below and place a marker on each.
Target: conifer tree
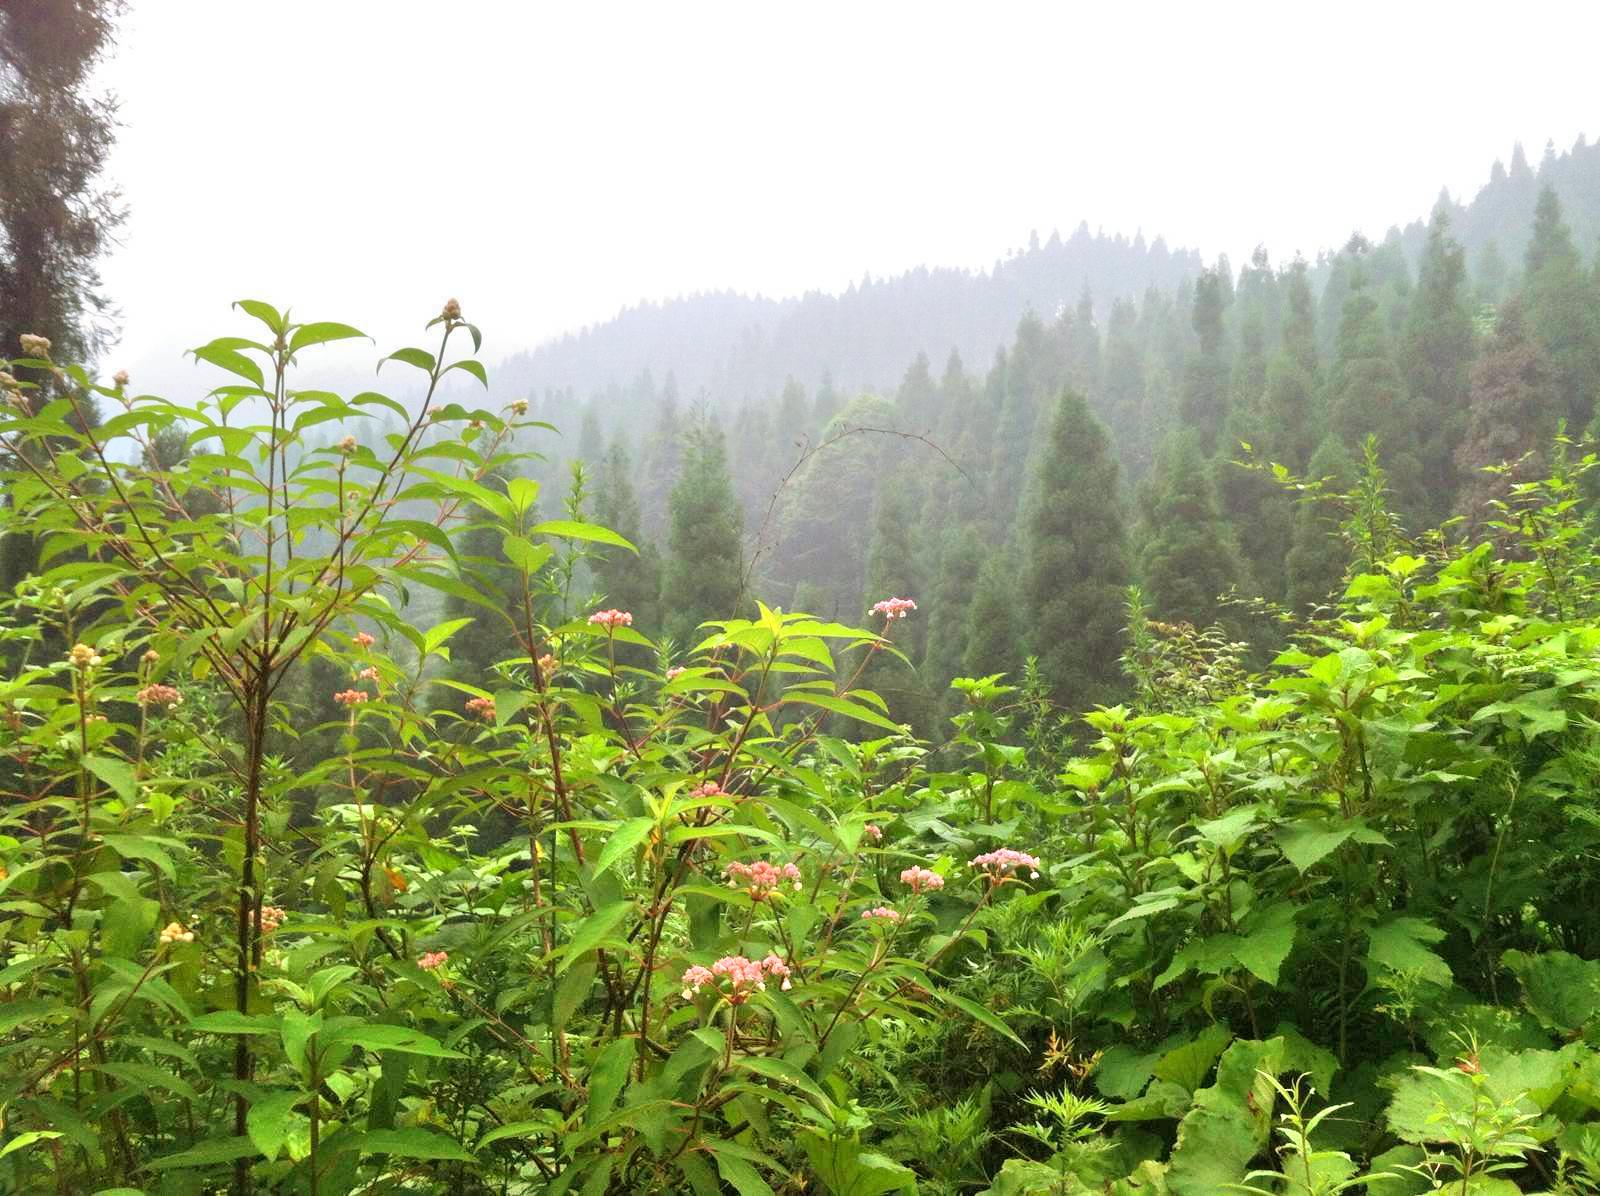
(627, 580)
(1190, 558)
(1516, 405)
(1205, 381)
(56, 217)
(917, 398)
(1076, 567)
(993, 639)
(960, 559)
(663, 458)
(1563, 307)
(1316, 562)
(705, 558)
(1436, 349)
(1368, 395)
(894, 570)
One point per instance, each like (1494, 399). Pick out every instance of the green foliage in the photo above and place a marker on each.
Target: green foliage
(1076, 558)
(704, 573)
(348, 847)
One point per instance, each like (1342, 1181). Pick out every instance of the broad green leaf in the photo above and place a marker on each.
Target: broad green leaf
(270, 1119)
(414, 1143)
(1400, 945)
(740, 1175)
(1264, 948)
(977, 1013)
(207, 1154)
(607, 1077)
(307, 335)
(623, 841)
(374, 1037)
(784, 1072)
(571, 529)
(593, 931)
(117, 774)
(842, 706)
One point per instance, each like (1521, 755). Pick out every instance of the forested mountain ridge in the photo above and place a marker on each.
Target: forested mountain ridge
(735, 346)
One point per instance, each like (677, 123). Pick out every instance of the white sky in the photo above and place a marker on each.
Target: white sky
(549, 163)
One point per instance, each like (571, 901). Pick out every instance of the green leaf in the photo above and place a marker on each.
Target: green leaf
(593, 930)
(523, 493)
(1264, 948)
(471, 367)
(844, 706)
(116, 774)
(207, 1154)
(270, 1119)
(978, 1014)
(141, 847)
(265, 312)
(320, 334)
(528, 557)
(784, 1072)
(1307, 843)
(518, 1129)
(235, 362)
(126, 927)
(439, 634)
(622, 841)
(740, 1175)
(1560, 989)
(607, 1077)
(389, 1038)
(571, 529)
(1400, 945)
(1189, 1064)
(420, 358)
(28, 1139)
(231, 1021)
(414, 1143)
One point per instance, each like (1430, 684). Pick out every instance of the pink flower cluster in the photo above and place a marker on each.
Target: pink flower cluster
(272, 917)
(159, 695)
(432, 959)
(874, 832)
(761, 878)
(611, 619)
(894, 608)
(364, 639)
(674, 672)
(709, 789)
(922, 880)
(745, 977)
(882, 912)
(481, 708)
(352, 697)
(370, 673)
(998, 863)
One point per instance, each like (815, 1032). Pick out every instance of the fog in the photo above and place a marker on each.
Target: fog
(549, 164)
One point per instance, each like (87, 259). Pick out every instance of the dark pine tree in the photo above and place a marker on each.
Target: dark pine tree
(1436, 352)
(627, 581)
(705, 559)
(1076, 569)
(1516, 405)
(1205, 380)
(1563, 309)
(1190, 558)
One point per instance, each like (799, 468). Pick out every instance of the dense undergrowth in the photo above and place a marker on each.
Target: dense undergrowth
(287, 906)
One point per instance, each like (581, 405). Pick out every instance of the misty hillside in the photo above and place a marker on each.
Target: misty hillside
(735, 347)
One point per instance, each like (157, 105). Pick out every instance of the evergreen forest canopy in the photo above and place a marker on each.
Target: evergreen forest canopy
(1161, 764)
(1457, 343)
